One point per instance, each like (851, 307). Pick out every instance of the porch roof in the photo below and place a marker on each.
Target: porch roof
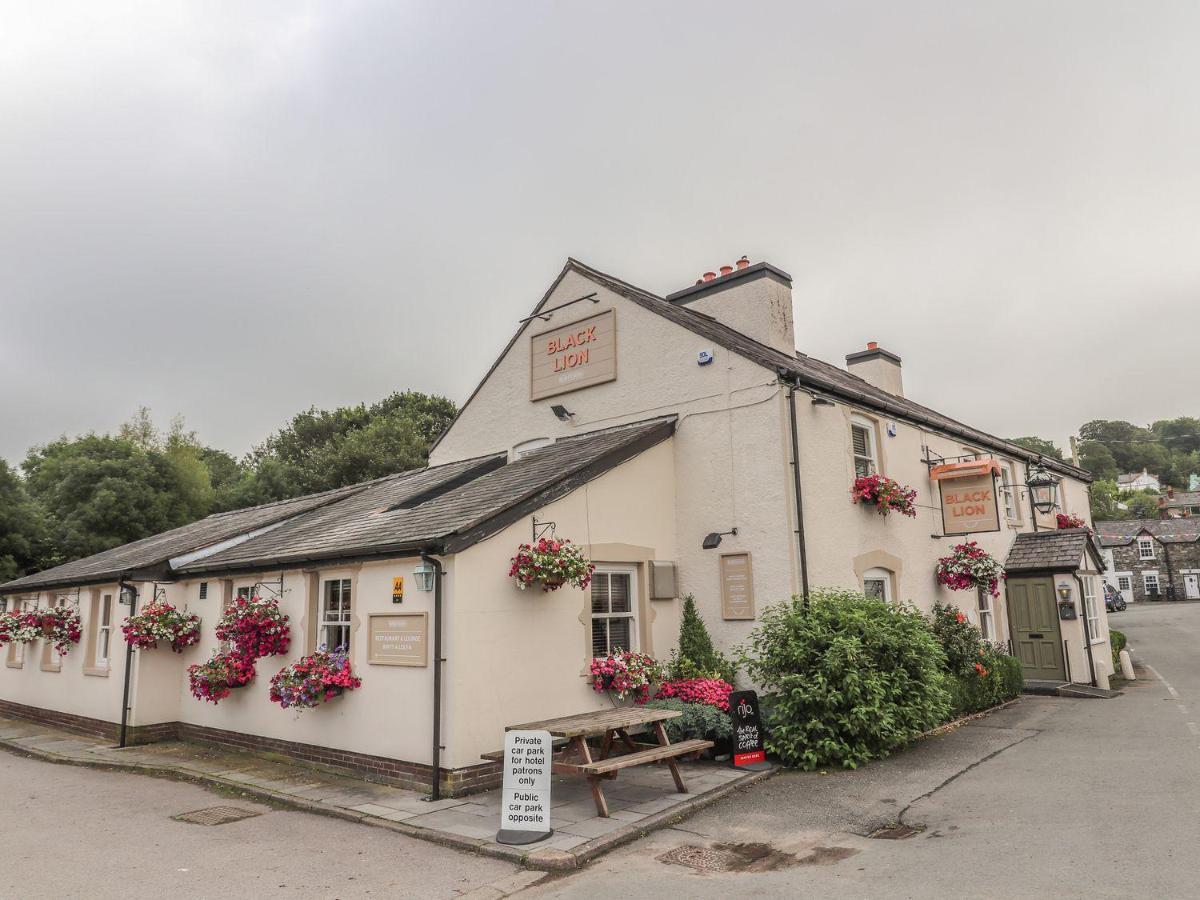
(1052, 551)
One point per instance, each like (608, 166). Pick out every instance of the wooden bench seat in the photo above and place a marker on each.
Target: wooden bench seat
(642, 757)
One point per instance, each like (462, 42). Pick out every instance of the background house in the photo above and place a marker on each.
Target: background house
(1153, 559)
(1137, 481)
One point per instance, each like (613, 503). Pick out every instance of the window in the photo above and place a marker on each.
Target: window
(1150, 583)
(246, 592)
(987, 626)
(335, 615)
(1091, 607)
(614, 624)
(1124, 583)
(877, 583)
(1008, 493)
(1145, 548)
(16, 652)
(204, 590)
(51, 658)
(862, 439)
(103, 630)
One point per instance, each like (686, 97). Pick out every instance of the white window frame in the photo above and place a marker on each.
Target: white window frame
(342, 619)
(878, 576)
(1128, 579)
(1008, 487)
(103, 631)
(871, 458)
(16, 651)
(987, 615)
(1091, 608)
(1146, 577)
(1143, 544)
(629, 572)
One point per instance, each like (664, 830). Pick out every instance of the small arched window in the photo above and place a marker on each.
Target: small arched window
(878, 583)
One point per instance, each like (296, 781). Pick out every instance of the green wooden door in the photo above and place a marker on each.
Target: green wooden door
(1033, 624)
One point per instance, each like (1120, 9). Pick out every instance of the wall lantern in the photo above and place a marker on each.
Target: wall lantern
(423, 577)
(128, 595)
(1064, 590)
(1043, 488)
(712, 540)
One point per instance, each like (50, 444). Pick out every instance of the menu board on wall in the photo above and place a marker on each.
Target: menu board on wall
(398, 639)
(573, 356)
(737, 586)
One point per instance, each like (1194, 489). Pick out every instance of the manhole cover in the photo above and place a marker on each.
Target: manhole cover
(896, 832)
(215, 815)
(702, 858)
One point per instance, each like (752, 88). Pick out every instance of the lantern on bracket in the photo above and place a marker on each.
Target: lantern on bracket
(1043, 489)
(423, 576)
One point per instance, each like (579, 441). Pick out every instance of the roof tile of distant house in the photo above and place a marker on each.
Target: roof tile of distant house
(1042, 551)
(1119, 532)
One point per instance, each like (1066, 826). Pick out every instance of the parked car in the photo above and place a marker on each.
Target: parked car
(1113, 601)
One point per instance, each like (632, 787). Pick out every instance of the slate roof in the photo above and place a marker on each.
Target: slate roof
(1183, 498)
(1120, 532)
(1058, 550)
(807, 370)
(377, 522)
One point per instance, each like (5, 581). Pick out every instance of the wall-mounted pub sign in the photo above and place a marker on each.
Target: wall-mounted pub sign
(398, 639)
(573, 356)
(968, 494)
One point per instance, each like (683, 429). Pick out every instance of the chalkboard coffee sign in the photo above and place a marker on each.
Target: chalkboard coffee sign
(748, 749)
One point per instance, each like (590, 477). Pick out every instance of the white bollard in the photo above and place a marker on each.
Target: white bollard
(1127, 666)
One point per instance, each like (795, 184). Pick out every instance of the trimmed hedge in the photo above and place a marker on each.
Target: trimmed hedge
(1118, 641)
(699, 720)
(973, 693)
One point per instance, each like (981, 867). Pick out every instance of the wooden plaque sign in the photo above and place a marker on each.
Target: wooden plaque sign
(737, 586)
(573, 356)
(398, 639)
(969, 504)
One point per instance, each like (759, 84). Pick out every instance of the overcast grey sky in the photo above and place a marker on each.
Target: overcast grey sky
(234, 210)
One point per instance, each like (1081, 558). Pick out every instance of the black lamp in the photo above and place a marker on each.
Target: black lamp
(1043, 487)
(564, 415)
(712, 540)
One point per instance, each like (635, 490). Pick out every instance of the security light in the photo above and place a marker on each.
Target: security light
(712, 540)
(564, 415)
(818, 400)
(423, 577)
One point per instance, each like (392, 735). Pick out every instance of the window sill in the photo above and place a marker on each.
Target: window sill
(1096, 641)
(99, 672)
(51, 667)
(14, 665)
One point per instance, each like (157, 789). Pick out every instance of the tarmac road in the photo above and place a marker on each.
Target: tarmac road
(1048, 798)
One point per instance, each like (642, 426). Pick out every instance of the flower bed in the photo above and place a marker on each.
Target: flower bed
(1072, 521)
(311, 680)
(708, 691)
(885, 494)
(60, 625)
(551, 563)
(625, 673)
(969, 567)
(160, 621)
(215, 680)
(255, 627)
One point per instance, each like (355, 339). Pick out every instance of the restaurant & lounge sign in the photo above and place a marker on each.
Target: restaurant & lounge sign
(573, 356)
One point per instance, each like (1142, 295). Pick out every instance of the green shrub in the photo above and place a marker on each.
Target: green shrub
(697, 657)
(699, 720)
(961, 641)
(999, 678)
(1117, 639)
(848, 680)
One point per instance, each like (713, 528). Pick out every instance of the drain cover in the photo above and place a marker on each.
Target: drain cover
(702, 858)
(215, 815)
(896, 832)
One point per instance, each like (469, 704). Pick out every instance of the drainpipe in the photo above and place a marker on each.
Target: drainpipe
(1087, 640)
(799, 493)
(436, 792)
(122, 586)
(1170, 574)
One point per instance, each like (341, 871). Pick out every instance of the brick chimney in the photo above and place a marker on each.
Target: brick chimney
(755, 299)
(877, 367)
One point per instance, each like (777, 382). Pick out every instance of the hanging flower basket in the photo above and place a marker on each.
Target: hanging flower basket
(311, 680)
(624, 673)
(255, 627)
(1072, 521)
(885, 494)
(160, 621)
(551, 563)
(61, 625)
(970, 567)
(20, 627)
(216, 679)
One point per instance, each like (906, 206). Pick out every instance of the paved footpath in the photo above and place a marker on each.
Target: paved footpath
(1049, 797)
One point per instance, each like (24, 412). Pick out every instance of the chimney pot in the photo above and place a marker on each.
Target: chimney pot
(725, 270)
(709, 276)
(742, 263)
(872, 345)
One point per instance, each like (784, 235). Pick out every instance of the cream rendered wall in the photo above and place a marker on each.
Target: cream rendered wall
(731, 446)
(516, 656)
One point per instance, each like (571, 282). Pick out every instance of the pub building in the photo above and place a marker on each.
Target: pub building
(681, 441)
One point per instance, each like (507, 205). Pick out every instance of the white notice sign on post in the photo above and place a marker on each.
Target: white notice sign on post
(525, 797)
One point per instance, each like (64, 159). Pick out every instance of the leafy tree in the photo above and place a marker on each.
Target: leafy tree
(1141, 505)
(1104, 496)
(1098, 460)
(1039, 445)
(22, 527)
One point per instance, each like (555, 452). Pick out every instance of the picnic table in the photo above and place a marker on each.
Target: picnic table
(574, 757)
